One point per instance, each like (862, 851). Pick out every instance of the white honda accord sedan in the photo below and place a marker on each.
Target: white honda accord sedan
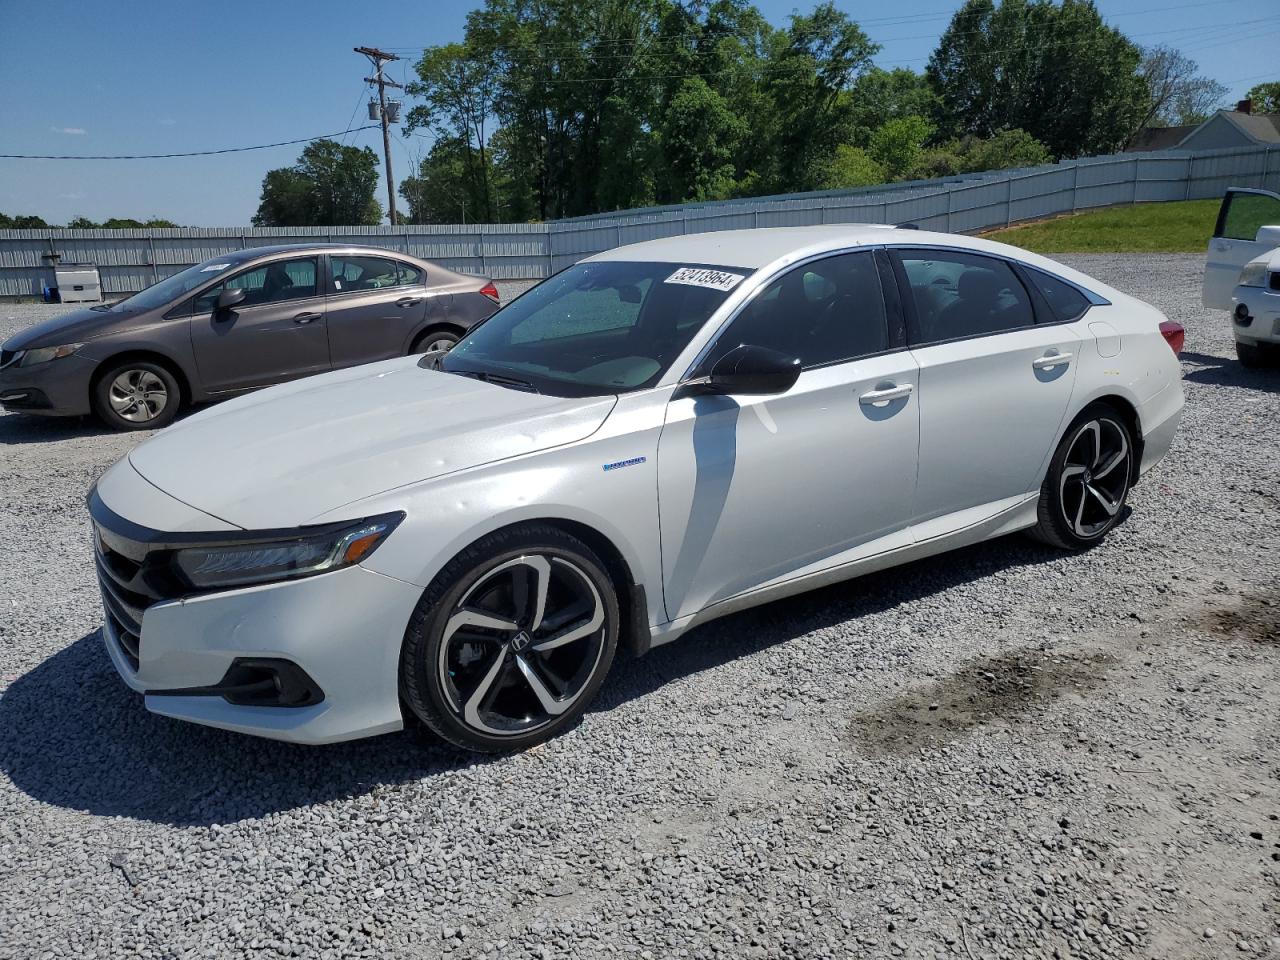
(656, 436)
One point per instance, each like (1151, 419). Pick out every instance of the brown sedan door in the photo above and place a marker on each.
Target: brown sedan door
(375, 305)
(276, 333)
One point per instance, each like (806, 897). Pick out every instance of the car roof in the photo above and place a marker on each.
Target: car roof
(249, 253)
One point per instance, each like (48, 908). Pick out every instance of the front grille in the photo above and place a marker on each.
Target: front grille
(129, 587)
(1275, 279)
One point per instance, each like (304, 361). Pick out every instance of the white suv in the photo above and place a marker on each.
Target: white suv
(1242, 272)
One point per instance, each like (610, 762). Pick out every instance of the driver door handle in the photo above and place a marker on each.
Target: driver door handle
(1051, 360)
(885, 394)
(307, 317)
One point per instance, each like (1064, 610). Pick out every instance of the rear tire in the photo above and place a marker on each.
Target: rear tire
(433, 340)
(136, 395)
(1089, 477)
(511, 641)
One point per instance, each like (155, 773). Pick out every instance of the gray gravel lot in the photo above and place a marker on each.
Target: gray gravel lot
(1001, 752)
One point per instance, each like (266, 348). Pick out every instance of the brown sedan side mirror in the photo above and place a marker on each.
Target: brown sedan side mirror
(229, 298)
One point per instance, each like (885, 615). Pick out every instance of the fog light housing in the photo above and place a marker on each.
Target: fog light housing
(1242, 315)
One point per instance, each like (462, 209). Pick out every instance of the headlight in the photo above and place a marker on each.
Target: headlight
(44, 354)
(1254, 275)
(313, 550)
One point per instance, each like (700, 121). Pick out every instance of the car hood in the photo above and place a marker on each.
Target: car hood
(74, 327)
(285, 455)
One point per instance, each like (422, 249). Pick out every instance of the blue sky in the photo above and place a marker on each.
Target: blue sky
(160, 77)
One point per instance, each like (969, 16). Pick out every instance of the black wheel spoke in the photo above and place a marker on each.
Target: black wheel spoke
(1094, 477)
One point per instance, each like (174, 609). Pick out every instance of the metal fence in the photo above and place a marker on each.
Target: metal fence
(132, 259)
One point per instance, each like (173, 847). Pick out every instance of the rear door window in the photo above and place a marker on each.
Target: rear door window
(958, 295)
(354, 273)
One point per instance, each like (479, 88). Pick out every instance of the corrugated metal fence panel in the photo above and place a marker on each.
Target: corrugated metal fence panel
(132, 259)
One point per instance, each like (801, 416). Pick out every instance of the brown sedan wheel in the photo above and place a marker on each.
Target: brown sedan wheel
(136, 395)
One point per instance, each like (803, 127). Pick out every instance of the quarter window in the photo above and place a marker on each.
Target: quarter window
(273, 282)
(1065, 301)
(959, 295)
(823, 312)
(364, 273)
(410, 275)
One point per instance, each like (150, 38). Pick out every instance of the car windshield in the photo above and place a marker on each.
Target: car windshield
(596, 328)
(171, 288)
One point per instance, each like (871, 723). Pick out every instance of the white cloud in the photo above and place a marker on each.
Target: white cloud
(71, 131)
(168, 122)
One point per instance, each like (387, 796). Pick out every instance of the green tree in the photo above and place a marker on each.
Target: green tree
(458, 83)
(21, 222)
(331, 185)
(1007, 149)
(1056, 71)
(80, 223)
(852, 167)
(1265, 97)
(897, 144)
(698, 140)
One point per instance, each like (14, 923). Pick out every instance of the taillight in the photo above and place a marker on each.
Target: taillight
(1174, 334)
(490, 291)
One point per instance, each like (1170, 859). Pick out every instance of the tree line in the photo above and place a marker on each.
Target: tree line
(31, 222)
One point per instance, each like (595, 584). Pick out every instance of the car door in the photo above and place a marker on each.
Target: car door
(375, 304)
(276, 333)
(1236, 241)
(994, 384)
(754, 489)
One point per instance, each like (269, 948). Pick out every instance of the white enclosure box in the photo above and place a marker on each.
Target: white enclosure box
(78, 282)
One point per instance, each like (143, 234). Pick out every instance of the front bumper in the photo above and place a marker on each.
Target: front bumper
(57, 388)
(1261, 323)
(344, 629)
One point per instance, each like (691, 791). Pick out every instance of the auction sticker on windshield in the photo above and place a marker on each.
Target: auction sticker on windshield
(704, 277)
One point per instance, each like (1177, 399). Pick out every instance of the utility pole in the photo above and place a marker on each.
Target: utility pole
(378, 58)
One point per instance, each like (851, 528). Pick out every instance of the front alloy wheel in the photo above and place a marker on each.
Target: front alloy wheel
(512, 648)
(136, 395)
(1088, 481)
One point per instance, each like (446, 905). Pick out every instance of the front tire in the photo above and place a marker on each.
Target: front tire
(1089, 477)
(136, 395)
(433, 341)
(511, 641)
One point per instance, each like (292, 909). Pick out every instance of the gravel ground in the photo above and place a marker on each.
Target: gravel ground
(1001, 752)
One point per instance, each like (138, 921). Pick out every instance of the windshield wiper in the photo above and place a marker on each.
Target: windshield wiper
(497, 380)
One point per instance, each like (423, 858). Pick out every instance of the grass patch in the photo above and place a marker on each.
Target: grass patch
(1178, 227)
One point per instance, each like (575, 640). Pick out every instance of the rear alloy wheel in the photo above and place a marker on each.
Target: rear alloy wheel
(512, 641)
(136, 395)
(435, 341)
(1089, 478)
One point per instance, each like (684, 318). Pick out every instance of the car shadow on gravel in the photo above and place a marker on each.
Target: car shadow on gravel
(1224, 372)
(72, 735)
(746, 633)
(21, 428)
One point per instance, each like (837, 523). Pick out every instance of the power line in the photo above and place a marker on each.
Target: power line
(169, 156)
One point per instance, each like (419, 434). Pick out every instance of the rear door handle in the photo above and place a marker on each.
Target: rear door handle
(408, 301)
(307, 317)
(885, 394)
(1051, 360)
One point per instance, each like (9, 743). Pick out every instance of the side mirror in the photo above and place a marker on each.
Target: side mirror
(229, 298)
(748, 369)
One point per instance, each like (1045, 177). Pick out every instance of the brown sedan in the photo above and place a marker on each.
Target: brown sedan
(234, 323)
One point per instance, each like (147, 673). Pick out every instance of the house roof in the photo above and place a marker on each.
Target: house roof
(1158, 138)
(1258, 127)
